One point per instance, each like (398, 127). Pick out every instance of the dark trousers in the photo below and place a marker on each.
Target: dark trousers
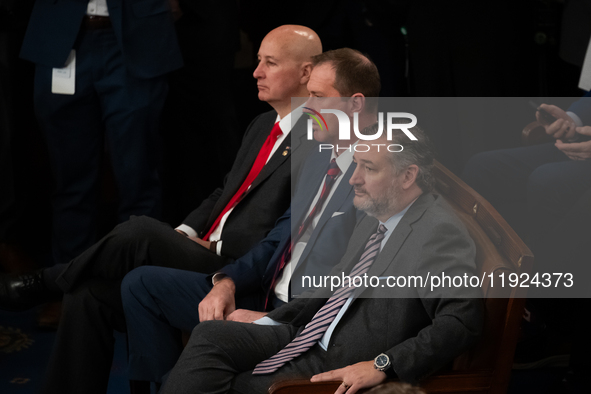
(159, 303)
(110, 108)
(220, 356)
(83, 350)
(531, 187)
(139, 241)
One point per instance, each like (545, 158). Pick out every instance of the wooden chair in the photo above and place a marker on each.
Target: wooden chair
(486, 368)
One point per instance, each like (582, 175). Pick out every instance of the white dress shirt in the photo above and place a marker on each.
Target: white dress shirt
(282, 287)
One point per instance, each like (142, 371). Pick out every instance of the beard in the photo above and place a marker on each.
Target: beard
(380, 205)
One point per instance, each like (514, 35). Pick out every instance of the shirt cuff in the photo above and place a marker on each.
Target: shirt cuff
(266, 321)
(575, 118)
(217, 277)
(218, 248)
(187, 230)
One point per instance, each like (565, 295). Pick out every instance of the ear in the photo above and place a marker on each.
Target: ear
(356, 103)
(306, 70)
(410, 176)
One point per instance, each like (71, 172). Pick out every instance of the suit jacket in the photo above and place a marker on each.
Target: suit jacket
(582, 108)
(420, 331)
(253, 272)
(144, 30)
(268, 197)
(575, 31)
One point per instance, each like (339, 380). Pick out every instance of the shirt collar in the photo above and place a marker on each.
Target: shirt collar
(394, 220)
(289, 120)
(343, 160)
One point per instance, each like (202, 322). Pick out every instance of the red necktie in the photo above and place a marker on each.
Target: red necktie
(258, 165)
(331, 176)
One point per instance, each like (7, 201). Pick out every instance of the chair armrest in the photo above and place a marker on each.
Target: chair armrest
(298, 386)
(466, 382)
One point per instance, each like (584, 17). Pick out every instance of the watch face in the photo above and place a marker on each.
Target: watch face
(382, 360)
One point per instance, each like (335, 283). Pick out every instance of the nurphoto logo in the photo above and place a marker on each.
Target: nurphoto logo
(392, 123)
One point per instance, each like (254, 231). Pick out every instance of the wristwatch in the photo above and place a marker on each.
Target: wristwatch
(382, 363)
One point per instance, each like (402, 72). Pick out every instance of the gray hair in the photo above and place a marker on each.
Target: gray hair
(419, 153)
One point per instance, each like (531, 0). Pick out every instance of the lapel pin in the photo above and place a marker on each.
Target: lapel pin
(285, 151)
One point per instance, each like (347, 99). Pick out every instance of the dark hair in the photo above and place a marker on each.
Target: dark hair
(354, 72)
(419, 152)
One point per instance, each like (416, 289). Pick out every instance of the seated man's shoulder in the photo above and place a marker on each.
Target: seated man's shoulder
(441, 214)
(268, 117)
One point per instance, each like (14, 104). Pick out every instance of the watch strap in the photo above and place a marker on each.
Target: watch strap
(390, 373)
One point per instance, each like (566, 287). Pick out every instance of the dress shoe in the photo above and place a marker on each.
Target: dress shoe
(22, 292)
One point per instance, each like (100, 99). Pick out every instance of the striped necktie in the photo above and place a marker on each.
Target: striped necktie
(325, 316)
(331, 175)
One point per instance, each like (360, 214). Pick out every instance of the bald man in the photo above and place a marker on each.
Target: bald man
(225, 226)
(285, 64)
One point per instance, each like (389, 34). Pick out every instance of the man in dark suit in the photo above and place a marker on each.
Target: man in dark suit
(534, 186)
(362, 334)
(233, 226)
(225, 226)
(159, 301)
(100, 79)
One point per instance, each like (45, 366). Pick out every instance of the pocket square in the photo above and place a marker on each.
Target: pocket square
(337, 214)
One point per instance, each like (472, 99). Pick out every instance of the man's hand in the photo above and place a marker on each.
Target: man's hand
(201, 242)
(219, 302)
(563, 128)
(354, 377)
(577, 150)
(245, 315)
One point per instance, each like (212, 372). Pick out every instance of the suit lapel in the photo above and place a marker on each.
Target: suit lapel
(359, 238)
(261, 136)
(261, 131)
(399, 235)
(298, 133)
(308, 186)
(337, 200)
(282, 153)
